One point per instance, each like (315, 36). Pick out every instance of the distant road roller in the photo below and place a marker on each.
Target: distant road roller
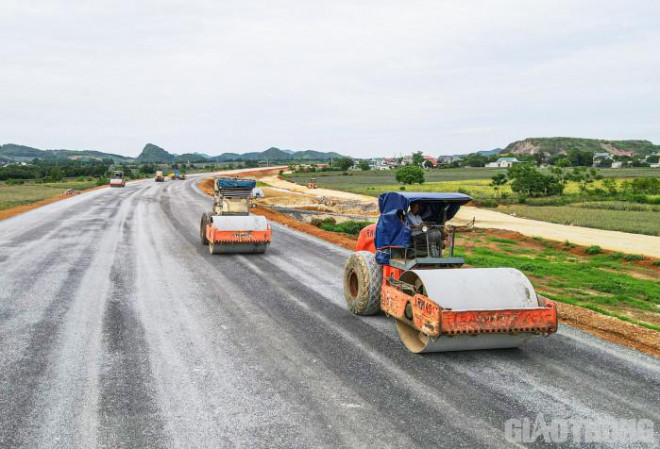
(404, 266)
(117, 179)
(230, 228)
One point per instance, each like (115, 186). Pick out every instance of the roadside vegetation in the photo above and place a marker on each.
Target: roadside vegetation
(625, 286)
(13, 194)
(625, 200)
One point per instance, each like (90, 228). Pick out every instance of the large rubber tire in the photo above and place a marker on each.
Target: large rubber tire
(363, 277)
(206, 220)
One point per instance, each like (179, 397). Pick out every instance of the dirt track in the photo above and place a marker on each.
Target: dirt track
(612, 240)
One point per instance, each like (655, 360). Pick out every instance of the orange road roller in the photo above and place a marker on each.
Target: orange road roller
(230, 228)
(404, 266)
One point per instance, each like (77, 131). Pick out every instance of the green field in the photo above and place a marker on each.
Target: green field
(359, 180)
(573, 208)
(28, 193)
(607, 283)
(634, 221)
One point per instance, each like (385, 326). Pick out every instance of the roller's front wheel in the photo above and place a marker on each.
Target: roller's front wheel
(363, 277)
(206, 220)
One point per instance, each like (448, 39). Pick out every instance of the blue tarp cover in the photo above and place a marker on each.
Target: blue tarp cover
(435, 207)
(235, 183)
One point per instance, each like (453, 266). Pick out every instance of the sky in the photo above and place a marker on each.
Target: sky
(362, 78)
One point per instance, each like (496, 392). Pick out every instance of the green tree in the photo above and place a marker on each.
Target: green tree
(410, 174)
(528, 181)
(580, 158)
(343, 163)
(498, 180)
(418, 159)
(646, 185)
(610, 185)
(474, 160)
(364, 166)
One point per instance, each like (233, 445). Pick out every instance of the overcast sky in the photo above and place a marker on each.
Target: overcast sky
(357, 77)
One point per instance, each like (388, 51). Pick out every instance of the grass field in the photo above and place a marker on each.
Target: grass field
(572, 208)
(607, 283)
(360, 179)
(634, 221)
(28, 193)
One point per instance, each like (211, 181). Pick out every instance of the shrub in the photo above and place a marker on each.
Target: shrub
(656, 263)
(633, 257)
(402, 188)
(616, 256)
(410, 175)
(102, 181)
(15, 182)
(318, 222)
(593, 250)
(348, 227)
(646, 185)
(498, 180)
(488, 202)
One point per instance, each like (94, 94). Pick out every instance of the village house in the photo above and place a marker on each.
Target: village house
(503, 162)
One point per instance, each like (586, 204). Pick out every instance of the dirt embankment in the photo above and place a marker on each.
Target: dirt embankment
(602, 326)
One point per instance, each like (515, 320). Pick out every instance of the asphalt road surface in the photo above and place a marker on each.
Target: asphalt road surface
(118, 329)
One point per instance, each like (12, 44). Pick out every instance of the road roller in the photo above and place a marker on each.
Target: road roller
(229, 227)
(404, 266)
(117, 179)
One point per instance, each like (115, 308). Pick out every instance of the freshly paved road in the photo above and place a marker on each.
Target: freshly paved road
(118, 329)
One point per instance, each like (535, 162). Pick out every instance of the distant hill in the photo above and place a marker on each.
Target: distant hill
(490, 152)
(276, 155)
(192, 158)
(561, 145)
(155, 154)
(15, 153)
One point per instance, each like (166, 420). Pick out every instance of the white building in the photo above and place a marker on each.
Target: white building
(503, 162)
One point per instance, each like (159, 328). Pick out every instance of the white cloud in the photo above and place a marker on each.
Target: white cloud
(364, 78)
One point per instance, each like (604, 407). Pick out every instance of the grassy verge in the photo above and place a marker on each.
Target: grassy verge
(28, 193)
(609, 283)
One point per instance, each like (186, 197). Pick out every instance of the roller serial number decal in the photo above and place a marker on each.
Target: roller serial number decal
(242, 235)
(426, 307)
(496, 319)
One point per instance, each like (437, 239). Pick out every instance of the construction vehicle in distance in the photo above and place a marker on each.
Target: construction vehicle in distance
(410, 273)
(117, 179)
(312, 183)
(159, 176)
(230, 228)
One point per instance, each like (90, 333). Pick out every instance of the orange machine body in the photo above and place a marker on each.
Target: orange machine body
(217, 236)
